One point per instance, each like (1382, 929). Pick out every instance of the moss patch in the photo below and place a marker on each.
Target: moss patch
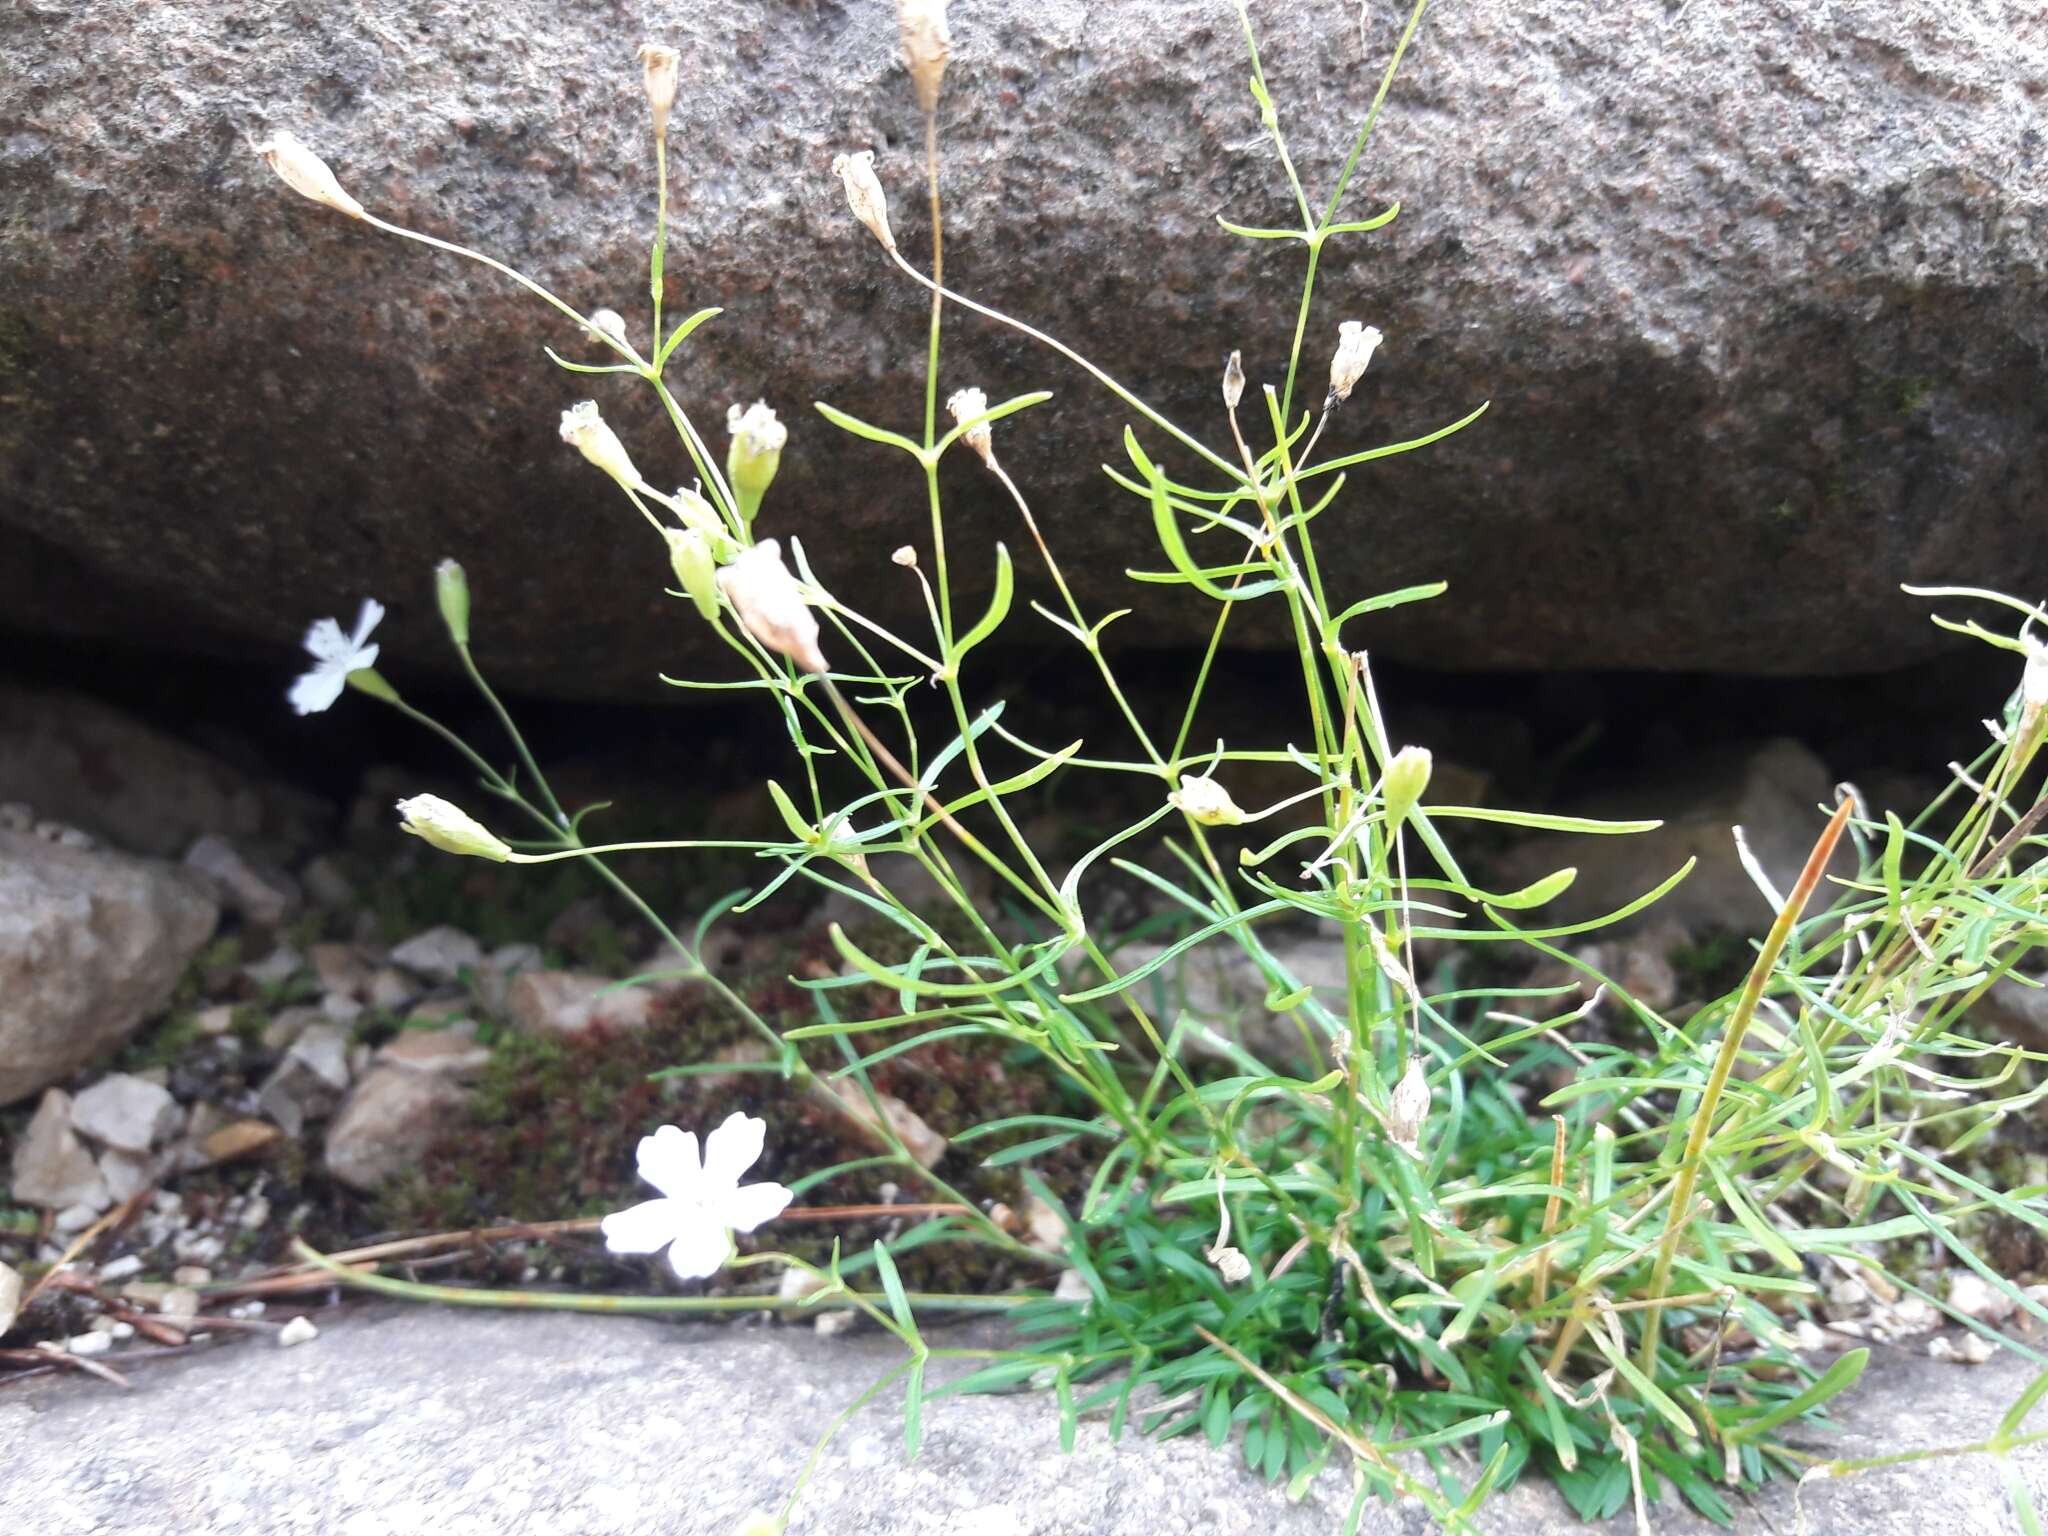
(554, 1122)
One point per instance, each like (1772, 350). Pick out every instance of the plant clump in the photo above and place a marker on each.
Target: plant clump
(1457, 1236)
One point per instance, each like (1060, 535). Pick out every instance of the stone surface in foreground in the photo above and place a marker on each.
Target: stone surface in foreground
(399, 1420)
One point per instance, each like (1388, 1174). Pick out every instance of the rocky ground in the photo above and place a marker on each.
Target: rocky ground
(232, 1024)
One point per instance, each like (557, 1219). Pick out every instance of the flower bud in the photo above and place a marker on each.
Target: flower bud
(1408, 1107)
(658, 73)
(864, 194)
(905, 556)
(702, 519)
(965, 405)
(1406, 778)
(690, 558)
(770, 605)
(451, 591)
(586, 429)
(609, 322)
(1233, 381)
(1355, 346)
(756, 452)
(927, 45)
(306, 173)
(1204, 800)
(450, 828)
(2034, 681)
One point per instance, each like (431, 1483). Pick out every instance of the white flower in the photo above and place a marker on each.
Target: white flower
(1356, 344)
(756, 428)
(965, 405)
(750, 463)
(703, 1203)
(335, 655)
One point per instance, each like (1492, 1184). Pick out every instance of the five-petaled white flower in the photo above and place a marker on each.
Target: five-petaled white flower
(335, 655)
(704, 1203)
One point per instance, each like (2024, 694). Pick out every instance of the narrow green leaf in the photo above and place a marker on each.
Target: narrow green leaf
(1365, 226)
(859, 428)
(681, 334)
(913, 1409)
(1387, 600)
(562, 362)
(1837, 1379)
(2016, 1415)
(892, 1287)
(1542, 822)
(998, 610)
(1250, 233)
(876, 971)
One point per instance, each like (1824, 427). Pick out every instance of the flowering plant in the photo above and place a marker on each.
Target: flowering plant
(1365, 1244)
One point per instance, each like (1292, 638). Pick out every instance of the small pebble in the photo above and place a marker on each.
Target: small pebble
(299, 1330)
(1970, 1294)
(123, 1268)
(1809, 1337)
(122, 1331)
(98, 1342)
(192, 1274)
(247, 1309)
(179, 1302)
(74, 1218)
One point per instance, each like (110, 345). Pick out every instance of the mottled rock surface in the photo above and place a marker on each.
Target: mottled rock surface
(1756, 296)
(82, 761)
(51, 1167)
(91, 944)
(400, 1421)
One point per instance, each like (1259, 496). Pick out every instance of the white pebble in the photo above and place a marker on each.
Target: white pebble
(124, 1268)
(1970, 1294)
(299, 1330)
(179, 1302)
(122, 1331)
(94, 1343)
